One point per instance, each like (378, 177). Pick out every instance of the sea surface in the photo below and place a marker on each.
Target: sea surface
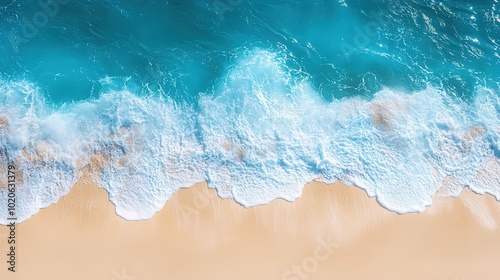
(257, 97)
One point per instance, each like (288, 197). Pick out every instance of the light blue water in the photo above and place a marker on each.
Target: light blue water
(256, 97)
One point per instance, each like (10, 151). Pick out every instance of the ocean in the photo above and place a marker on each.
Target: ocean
(399, 97)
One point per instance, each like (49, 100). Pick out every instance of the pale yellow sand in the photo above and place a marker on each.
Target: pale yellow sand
(331, 232)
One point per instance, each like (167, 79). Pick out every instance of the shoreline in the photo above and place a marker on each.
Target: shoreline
(88, 181)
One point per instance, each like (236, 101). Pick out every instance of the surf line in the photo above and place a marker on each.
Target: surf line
(11, 212)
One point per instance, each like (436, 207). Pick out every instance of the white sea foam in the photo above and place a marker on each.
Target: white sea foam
(261, 135)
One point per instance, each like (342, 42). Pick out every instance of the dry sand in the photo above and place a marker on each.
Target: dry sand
(331, 232)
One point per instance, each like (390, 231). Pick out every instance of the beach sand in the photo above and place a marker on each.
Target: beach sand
(330, 232)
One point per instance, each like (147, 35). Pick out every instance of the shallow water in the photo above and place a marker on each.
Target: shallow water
(256, 97)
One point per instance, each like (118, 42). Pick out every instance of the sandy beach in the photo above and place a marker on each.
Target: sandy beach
(330, 232)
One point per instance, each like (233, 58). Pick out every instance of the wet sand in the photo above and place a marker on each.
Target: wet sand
(330, 232)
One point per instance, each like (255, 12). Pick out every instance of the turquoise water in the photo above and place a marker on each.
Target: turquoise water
(186, 46)
(256, 97)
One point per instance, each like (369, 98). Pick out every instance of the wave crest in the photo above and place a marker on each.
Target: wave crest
(261, 135)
